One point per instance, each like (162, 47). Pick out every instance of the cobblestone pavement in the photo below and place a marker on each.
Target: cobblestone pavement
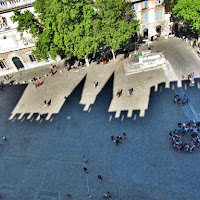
(43, 158)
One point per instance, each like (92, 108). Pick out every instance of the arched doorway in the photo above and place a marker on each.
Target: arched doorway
(158, 30)
(145, 33)
(17, 62)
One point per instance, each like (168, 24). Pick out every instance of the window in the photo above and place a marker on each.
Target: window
(2, 65)
(135, 6)
(159, 15)
(145, 18)
(32, 58)
(145, 4)
(159, 2)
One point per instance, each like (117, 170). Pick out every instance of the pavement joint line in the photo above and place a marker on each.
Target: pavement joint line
(195, 53)
(7, 185)
(46, 196)
(87, 183)
(59, 195)
(24, 178)
(43, 159)
(44, 175)
(16, 157)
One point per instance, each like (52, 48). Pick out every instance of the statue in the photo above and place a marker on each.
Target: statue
(3, 22)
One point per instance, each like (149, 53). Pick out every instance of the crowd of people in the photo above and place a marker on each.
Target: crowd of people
(118, 139)
(192, 42)
(186, 136)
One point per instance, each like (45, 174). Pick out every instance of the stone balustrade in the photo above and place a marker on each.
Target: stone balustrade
(12, 4)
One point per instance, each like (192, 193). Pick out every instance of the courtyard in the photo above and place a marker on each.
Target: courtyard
(43, 159)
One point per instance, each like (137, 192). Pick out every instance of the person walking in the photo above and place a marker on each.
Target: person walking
(85, 159)
(130, 91)
(185, 100)
(90, 196)
(66, 99)
(124, 134)
(85, 169)
(117, 142)
(4, 138)
(100, 177)
(49, 103)
(38, 83)
(109, 195)
(95, 84)
(45, 103)
(105, 196)
(119, 93)
(112, 137)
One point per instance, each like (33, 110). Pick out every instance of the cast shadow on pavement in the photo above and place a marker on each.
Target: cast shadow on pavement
(102, 103)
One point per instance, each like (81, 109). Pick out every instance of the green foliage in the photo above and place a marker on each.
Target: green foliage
(27, 21)
(116, 27)
(77, 27)
(188, 10)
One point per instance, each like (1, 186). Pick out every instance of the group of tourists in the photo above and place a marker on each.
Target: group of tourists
(119, 92)
(178, 100)
(192, 42)
(185, 137)
(118, 139)
(47, 104)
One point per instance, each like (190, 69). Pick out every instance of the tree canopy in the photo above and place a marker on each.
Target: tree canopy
(77, 27)
(188, 10)
(116, 25)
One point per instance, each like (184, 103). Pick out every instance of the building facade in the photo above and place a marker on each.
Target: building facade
(154, 20)
(15, 47)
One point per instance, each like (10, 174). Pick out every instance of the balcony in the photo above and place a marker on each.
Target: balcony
(8, 5)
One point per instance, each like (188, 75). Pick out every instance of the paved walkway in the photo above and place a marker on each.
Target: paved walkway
(63, 83)
(44, 159)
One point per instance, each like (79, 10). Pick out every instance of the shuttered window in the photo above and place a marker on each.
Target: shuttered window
(2, 65)
(159, 15)
(145, 19)
(32, 58)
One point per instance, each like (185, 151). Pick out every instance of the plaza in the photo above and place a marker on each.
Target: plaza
(43, 158)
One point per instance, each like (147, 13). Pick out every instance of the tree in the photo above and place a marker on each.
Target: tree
(27, 21)
(65, 27)
(116, 25)
(76, 27)
(84, 38)
(188, 10)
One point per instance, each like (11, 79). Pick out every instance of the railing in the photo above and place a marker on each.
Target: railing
(12, 4)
